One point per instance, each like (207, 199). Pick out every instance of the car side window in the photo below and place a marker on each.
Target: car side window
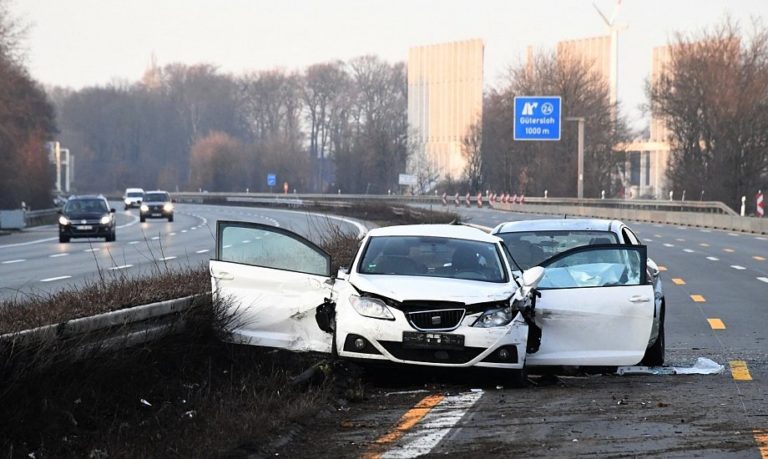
(595, 267)
(269, 247)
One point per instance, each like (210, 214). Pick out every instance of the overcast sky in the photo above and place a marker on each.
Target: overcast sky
(79, 43)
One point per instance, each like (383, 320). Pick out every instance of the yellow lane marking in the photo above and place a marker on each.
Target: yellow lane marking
(716, 324)
(761, 439)
(678, 281)
(406, 422)
(739, 370)
(698, 298)
(728, 250)
(704, 244)
(662, 268)
(759, 258)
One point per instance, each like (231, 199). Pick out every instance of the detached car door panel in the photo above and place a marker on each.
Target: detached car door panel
(272, 282)
(596, 307)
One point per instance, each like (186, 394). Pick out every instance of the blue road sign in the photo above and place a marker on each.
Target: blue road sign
(271, 180)
(537, 118)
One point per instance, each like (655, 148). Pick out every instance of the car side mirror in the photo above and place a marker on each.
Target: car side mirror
(112, 210)
(653, 268)
(532, 276)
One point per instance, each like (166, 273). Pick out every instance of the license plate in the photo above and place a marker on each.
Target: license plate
(84, 227)
(157, 214)
(416, 340)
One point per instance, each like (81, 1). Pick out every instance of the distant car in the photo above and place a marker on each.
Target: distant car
(156, 204)
(133, 197)
(434, 295)
(87, 216)
(533, 241)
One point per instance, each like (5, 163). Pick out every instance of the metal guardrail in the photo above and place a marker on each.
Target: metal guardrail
(114, 330)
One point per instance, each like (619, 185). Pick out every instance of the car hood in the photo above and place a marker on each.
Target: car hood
(404, 288)
(85, 215)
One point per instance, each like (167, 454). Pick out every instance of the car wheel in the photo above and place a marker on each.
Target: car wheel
(142, 219)
(170, 219)
(654, 355)
(63, 239)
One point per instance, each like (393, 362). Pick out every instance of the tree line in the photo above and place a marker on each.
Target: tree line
(335, 125)
(26, 122)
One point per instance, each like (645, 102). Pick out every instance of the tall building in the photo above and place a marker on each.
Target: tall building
(596, 52)
(445, 97)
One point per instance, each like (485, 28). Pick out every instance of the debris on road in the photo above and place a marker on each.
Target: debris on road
(703, 366)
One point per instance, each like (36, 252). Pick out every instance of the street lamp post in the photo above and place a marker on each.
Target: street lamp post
(580, 180)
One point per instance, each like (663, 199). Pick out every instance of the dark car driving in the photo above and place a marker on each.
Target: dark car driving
(156, 204)
(87, 216)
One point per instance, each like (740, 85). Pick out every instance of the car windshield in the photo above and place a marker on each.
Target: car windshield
(157, 197)
(433, 257)
(135, 194)
(86, 205)
(529, 248)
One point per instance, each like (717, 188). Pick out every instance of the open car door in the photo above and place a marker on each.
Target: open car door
(272, 282)
(596, 307)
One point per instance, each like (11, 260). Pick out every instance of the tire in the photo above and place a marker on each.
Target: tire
(63, 239)
(654, 355)
(142, 219)
(518, 378)
(110, 237)
(170, 219)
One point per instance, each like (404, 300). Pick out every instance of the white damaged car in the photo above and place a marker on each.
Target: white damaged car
(435, 295)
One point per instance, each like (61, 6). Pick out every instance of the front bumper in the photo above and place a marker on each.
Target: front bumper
(156, 212)
(85, 230)
(384, 341)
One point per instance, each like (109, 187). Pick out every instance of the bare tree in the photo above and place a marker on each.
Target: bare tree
(471, 149)
(714, 99)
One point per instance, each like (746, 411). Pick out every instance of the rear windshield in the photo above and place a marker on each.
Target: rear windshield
(157, 197)
(135, 194)
(86, 205)
(529, 248)
(433, 257)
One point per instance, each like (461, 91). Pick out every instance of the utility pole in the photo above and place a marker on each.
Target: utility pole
(580, 180)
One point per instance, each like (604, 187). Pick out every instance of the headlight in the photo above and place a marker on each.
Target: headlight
(63, 220)
(494, 318)
(168, 207)
(105, 220)
(127, 201)
(370, 307)
(144, 208)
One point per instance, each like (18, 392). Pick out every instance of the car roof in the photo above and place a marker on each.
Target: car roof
(134, 189)
(155, 191)
(560, 224)
(436, 230)
(86, 196)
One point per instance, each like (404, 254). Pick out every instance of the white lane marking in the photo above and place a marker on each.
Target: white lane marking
(10, 262)
(688, 251)
(36, 241)
(763, 279)
(91, 250)
(737, 267)
(57, 255)
(115, 268)
(666, 244)
(183, 231)
(133, 242)
(52, 279)
(194, 228)
(713, 258)
(203, 251)
(173, 234)
(155, 238)
(227, 246)
(247, 241)
(648, 240)
(760, 238)
(732, 234)
(435, 426)
(167, 258)
(680, 240)
(706, 231)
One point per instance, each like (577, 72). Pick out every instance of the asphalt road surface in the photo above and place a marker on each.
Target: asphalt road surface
(716, 286)
(33, 262)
